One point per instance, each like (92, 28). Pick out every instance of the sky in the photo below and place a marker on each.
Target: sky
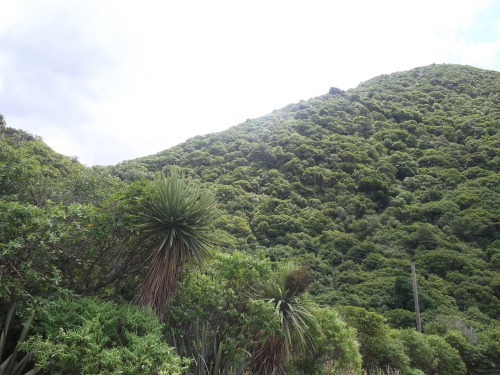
(108, 81)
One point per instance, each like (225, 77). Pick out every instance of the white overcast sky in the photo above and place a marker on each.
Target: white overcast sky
(108, 80)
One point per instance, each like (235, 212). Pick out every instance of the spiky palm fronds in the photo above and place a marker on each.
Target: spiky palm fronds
(297, 322)
(285, 291)
(209, 357)
(12, 364)
(175, 221)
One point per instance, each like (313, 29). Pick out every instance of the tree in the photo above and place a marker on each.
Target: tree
(174, 223)
(335, 351)
(431, 353)
(378, 346)
(212, 317)
(298, 324)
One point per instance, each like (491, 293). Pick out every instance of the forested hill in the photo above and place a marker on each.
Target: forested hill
(357, 184)
(354, 185)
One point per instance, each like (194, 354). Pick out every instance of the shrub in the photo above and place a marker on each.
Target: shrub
(87, 336)
(334, 350)
(431, 353)
(378, 345)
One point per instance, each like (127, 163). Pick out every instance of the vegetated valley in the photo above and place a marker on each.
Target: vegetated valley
(301, 263)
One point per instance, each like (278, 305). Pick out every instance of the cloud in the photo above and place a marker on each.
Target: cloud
(116, 80)
(49, 60)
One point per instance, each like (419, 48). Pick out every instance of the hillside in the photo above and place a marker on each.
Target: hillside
(357, 184)
(327, 200)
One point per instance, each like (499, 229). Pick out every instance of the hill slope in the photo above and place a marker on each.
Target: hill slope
(357, 184)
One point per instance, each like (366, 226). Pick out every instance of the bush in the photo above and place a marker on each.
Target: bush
(87, 336)
(431, 354)
(399, 318)
(336, 349)
(378, 345)
(447, 360)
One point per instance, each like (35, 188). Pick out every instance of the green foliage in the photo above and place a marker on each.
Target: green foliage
(14, 362)
(478, 350)
(174, 224)
(354, 184)
(86, 336)
(379, 347)
(490, 347)
(213, 308)
(399, 318)
(284, 291)
(27, 240)
(447, 360)
(431, 353)
(241, 270)
(77, 246)
(334, 350)
(208, 355)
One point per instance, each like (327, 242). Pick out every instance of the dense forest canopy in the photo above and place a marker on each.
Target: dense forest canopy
(359, 183)
(350, 187)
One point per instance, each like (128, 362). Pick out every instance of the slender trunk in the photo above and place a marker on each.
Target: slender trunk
(160, 281)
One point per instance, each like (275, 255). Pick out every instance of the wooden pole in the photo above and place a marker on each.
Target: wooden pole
(415, 296)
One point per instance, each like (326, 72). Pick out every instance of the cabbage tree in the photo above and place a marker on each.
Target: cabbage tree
(298, 325)
(175, 226)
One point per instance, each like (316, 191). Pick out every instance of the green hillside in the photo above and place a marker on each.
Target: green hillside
(357, 184)
(325, 202)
